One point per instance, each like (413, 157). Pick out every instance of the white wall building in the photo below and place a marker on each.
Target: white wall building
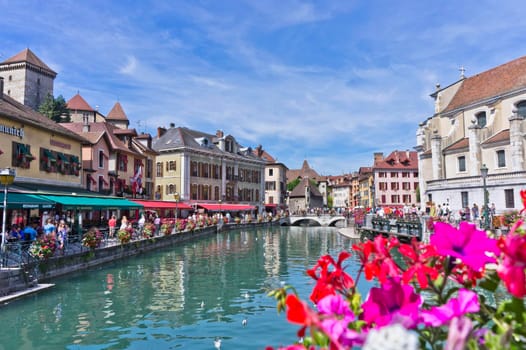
(478, 121)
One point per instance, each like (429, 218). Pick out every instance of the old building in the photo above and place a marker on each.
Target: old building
(478, 124)
(305, 197)
(395, 179)
(195, 166)
(275, 180)
(27, 79)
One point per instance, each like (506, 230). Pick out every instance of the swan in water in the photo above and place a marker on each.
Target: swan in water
(244, 322)
(217, 343)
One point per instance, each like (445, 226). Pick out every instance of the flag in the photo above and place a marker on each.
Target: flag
(136, 181)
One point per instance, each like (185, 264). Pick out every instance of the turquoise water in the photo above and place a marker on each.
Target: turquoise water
(182, 297)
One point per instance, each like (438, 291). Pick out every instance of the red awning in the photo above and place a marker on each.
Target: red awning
(105, 182)
(163, 204)
(226, 207)
(90, 178)
(270, 205)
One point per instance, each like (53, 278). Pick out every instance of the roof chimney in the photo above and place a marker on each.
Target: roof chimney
(219, 133)
(1, 88)
(160, 131)
(172, 125)
(378, 156)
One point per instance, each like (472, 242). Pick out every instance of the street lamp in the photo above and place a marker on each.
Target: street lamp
(7, 177)
(484, 174)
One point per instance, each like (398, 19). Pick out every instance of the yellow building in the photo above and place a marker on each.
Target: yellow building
(41, 151)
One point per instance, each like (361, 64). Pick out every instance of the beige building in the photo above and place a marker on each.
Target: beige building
(194, 166)
(275, 180)
(42, 152)
(478, 123)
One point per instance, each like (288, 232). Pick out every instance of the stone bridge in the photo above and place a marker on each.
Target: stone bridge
(315, 220)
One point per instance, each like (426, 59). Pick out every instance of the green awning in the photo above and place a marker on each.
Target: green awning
(63, 158)
(22, 150)
(49, 155)
(74, 159)
(85, 202)
(26, 201)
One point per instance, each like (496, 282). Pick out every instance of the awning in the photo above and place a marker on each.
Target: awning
(162, 204)
(85, 202)
(23, 151)
(104, 180)
(271, 205)
(49, 155)
(225, 207)
(74, 159)
(63, 158)
(26, 201)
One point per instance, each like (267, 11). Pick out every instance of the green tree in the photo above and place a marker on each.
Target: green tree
(329, 201)
(292, 184)
(55, 109)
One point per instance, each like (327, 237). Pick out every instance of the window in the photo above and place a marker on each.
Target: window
(415, 186)
(159, 169)
(382, 199)
(395, 198)
(501, 159)
(101, 159)
(394, 186)
(464, 199)
(406, 198)
(10, 78)
(508, 199)
(382, 174)
(404, 174)
(270, 185)
(461, 163)
(415, 174)
(172, 165)
(406, 186)
(271, 172)
(481, 119)
(521, 108)
(394, 174)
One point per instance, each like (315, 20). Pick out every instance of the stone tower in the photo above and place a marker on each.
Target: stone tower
(27, 79)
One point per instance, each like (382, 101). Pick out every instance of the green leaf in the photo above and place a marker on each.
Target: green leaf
(490, 282)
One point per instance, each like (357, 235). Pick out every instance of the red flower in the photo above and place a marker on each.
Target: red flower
(512, 269)
(376, 258)
(419, 257)
(523, 197)
(330, 277)
(298, 312)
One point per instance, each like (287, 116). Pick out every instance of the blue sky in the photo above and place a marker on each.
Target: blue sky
(327, 81)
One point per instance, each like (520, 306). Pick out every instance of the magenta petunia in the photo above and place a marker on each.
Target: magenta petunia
(465, 302)
(473, 247)
(393, 302)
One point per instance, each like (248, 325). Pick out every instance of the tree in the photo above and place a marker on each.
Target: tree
(55, 109)
(292, 184)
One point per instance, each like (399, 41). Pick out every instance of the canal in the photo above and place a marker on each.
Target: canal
(181, 297)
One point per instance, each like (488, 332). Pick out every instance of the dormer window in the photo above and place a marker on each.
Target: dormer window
(481, 119)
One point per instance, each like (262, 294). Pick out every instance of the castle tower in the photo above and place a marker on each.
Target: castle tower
(27, 79)
(117, 117)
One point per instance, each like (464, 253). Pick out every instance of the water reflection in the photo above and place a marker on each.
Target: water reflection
(182, 297)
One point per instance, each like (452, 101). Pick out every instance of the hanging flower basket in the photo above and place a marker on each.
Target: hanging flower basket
(92, 238)
(124, 236)
(44, 247)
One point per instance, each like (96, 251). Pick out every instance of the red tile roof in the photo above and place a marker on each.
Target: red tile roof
(503, 135)
(494, 82)
(117, 113)
(460, 144)
(28, 56)
(399, 160)
(77, 103)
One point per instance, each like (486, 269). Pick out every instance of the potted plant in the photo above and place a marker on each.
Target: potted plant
(148, 230)
(124, 236)
(44, 247)
(92, 238)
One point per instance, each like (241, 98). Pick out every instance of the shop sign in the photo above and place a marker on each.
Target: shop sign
(11, 130)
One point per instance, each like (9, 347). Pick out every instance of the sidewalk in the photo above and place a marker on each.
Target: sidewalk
(349, 232)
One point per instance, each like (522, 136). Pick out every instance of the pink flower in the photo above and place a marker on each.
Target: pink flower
(466, 302)
(337, 316)
(392, 303)
(467, 244)
(512, 268)
(459, 330)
